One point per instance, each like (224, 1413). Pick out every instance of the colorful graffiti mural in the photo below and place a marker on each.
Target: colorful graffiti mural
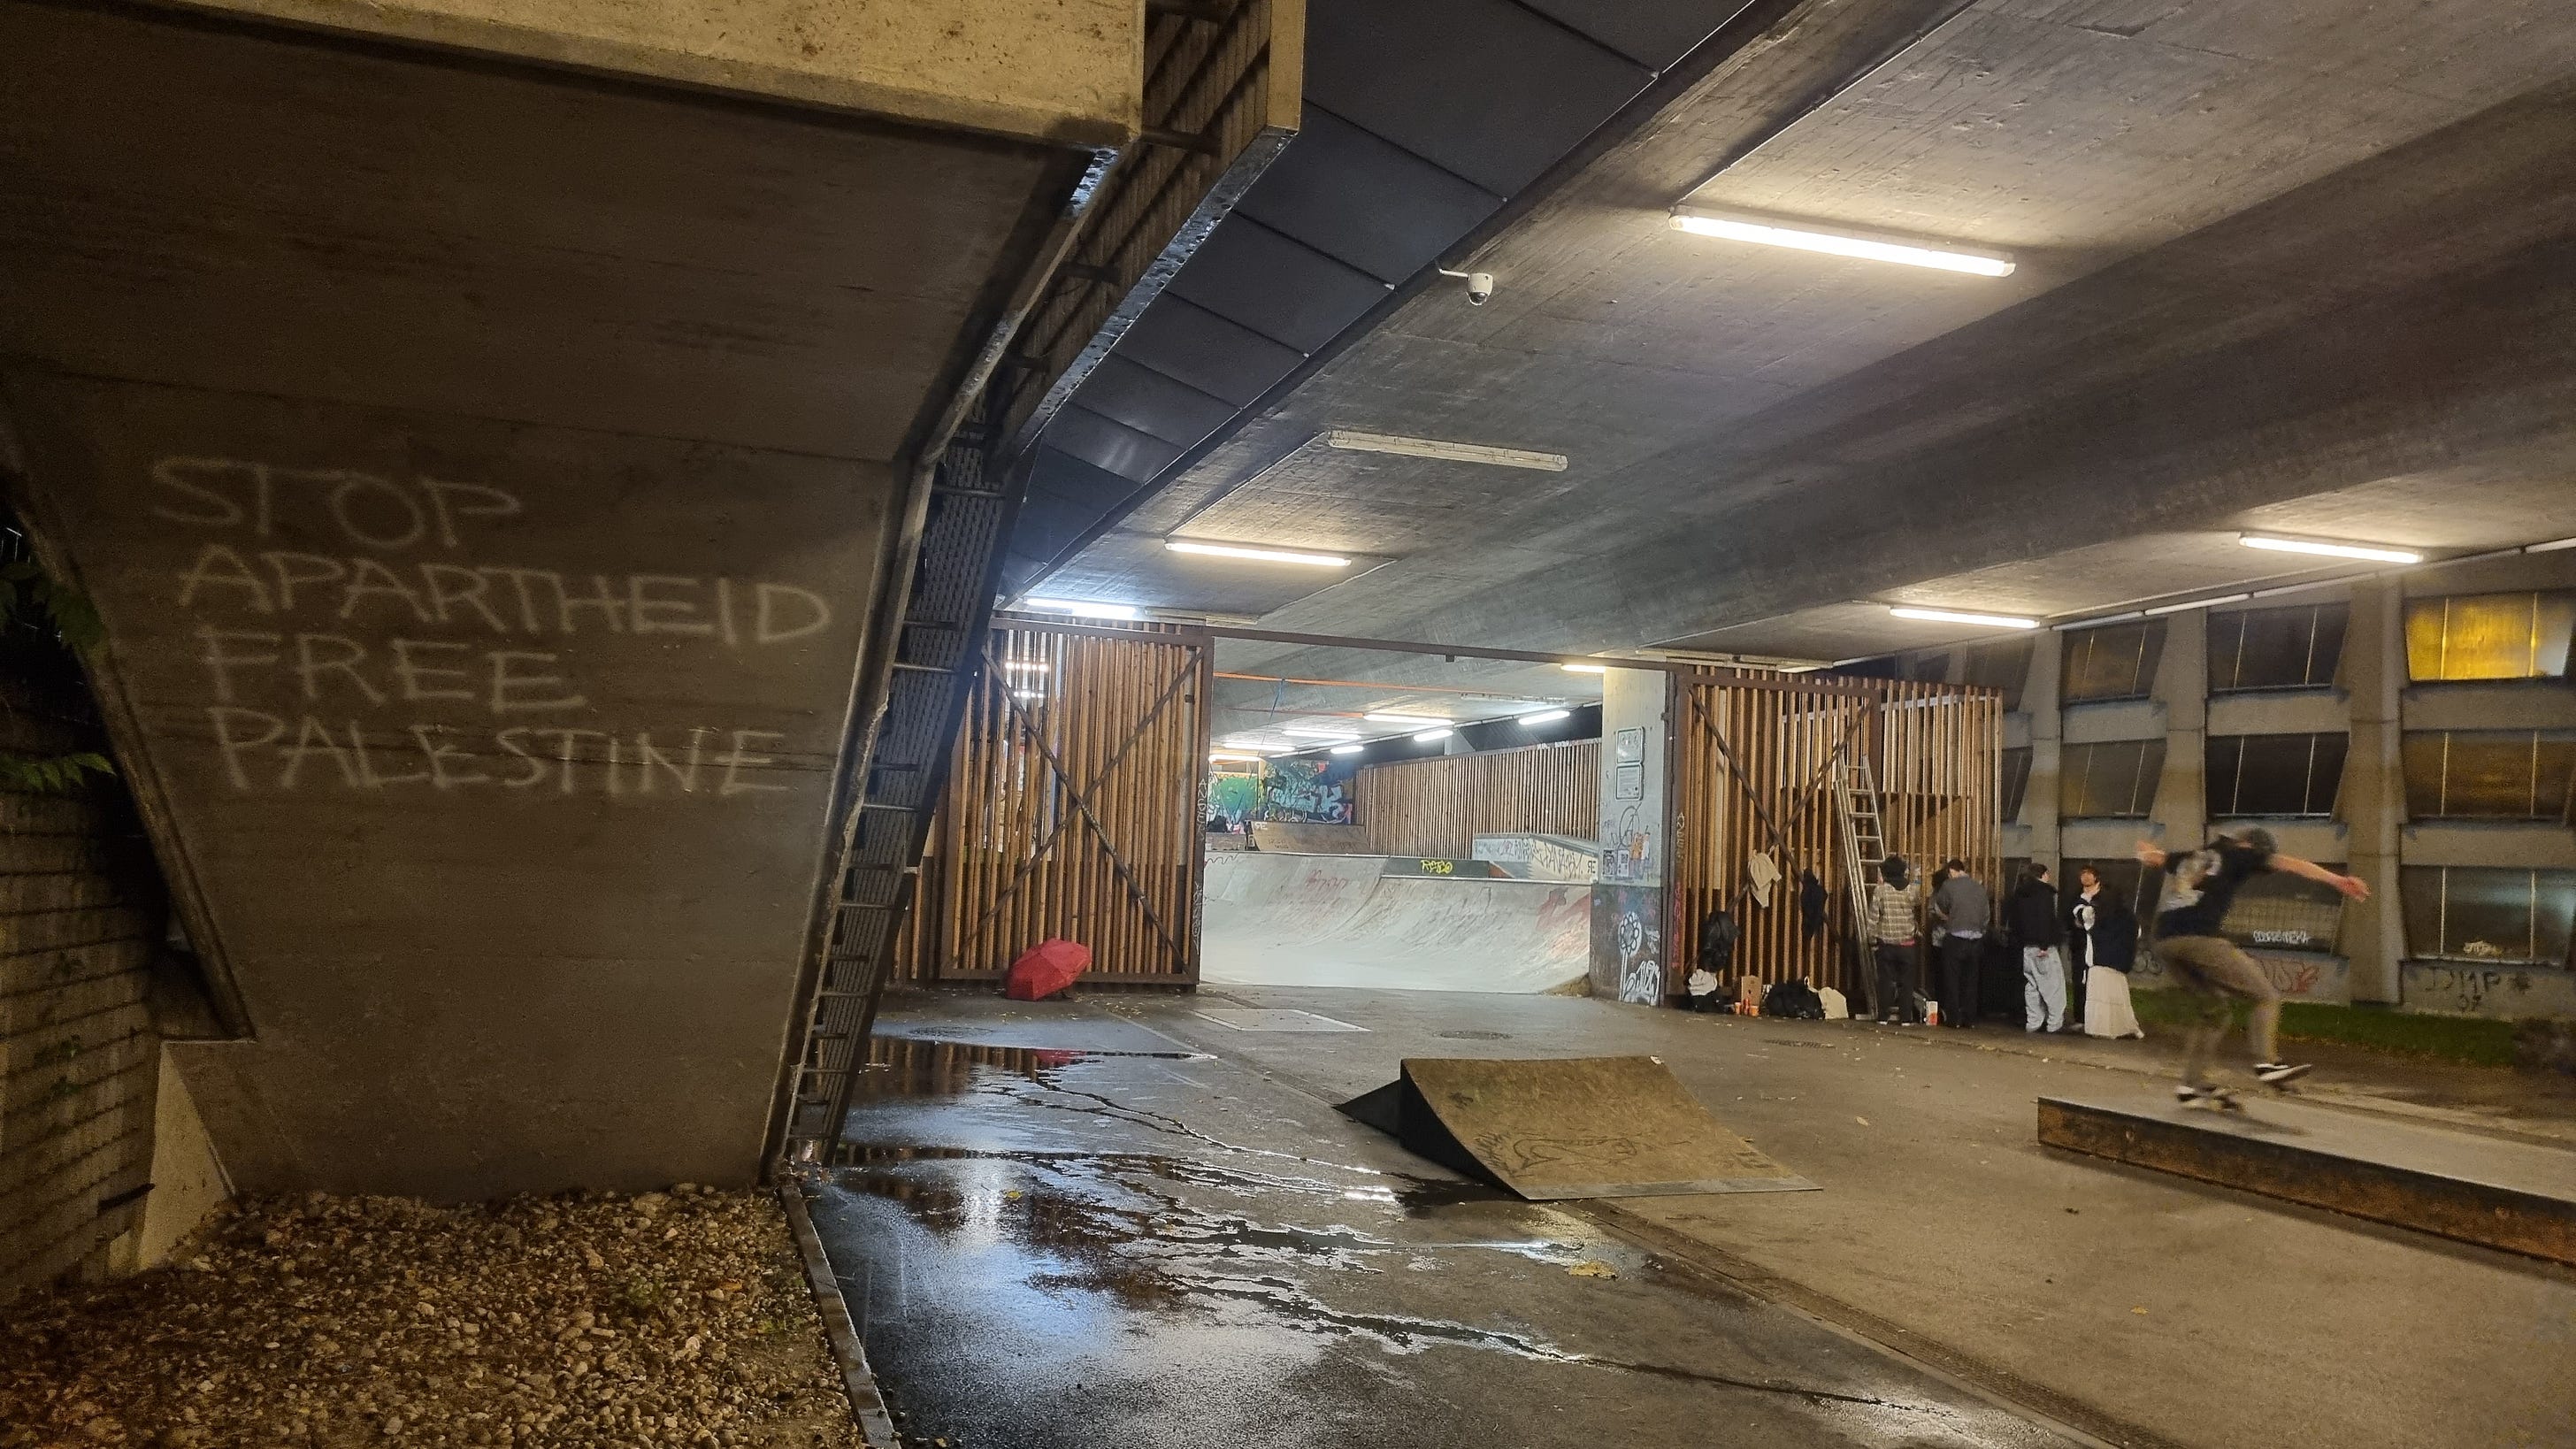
(1314, 792)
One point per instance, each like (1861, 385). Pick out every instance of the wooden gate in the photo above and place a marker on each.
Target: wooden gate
(1072, 808)
(1752, 773)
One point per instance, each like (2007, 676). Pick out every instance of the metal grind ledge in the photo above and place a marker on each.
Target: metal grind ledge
(2506, 1195)
(866, 1404)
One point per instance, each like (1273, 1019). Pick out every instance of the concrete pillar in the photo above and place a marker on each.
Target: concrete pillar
(2182, 687)
(2374, 786)
(1628, 903)
(2047, 731)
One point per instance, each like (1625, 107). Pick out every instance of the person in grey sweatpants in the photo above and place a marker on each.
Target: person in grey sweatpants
(2036, 928)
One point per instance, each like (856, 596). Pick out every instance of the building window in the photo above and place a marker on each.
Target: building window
(2116, 661)
(2003, 666)
(2276, 648)
(2476, 913)
(2491, 775)
(2283, 912)
(2274, 774)
(2114, 779)
(2016, 782)
(2489, 636)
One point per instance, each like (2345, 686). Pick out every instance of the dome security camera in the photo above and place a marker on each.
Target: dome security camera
(1480, 285)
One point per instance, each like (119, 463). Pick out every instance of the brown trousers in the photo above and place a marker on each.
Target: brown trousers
(2213, 970)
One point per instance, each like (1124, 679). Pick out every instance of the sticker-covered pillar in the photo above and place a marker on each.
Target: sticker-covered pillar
(1629, 900)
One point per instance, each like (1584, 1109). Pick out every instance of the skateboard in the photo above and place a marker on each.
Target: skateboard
(2225, 1099)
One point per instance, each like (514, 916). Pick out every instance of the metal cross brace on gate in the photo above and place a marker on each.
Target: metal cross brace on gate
(1078, 798)
(1807, 797)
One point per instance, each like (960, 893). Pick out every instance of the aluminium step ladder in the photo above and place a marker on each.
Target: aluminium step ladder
(1864, 842)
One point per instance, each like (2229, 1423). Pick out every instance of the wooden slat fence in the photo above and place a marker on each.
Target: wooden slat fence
(1752, 771)
(1072, 810)
(1438, 806)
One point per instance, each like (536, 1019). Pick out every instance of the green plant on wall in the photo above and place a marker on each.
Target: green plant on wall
(32, 602)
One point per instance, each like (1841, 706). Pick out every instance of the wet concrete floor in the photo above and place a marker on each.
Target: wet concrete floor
(1074, 1233)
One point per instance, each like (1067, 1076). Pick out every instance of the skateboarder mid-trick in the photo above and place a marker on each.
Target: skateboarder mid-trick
(2199, 887)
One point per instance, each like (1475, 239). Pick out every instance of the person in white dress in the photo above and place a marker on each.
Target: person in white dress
(2103, 936)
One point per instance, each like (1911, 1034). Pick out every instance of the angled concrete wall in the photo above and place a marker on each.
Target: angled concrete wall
(486, 478)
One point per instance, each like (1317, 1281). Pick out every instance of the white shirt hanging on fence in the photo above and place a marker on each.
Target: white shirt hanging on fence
(1759, 870)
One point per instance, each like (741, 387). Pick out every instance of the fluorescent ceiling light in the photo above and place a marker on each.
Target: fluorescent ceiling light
(1085, 608)
(2330, 550)
(1264, 555)
(1387, 717)
(1026, 694)
(1348, 749)
(1324, 732)
(1948, 259)
(1585, 668)
(1438, 734)
(1546, 716)
(1350, 442)
(1952, 616)
(1235, 755)
(2553, 546)
(1025, 666)
(2196, 604)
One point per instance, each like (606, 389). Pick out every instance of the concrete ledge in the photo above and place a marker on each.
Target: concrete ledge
(2504, 1195)
(867, 1406)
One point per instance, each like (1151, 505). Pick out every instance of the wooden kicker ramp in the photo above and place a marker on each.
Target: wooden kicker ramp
(1570, 1127)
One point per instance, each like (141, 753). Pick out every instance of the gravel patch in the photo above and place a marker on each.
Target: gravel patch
(678, 1318)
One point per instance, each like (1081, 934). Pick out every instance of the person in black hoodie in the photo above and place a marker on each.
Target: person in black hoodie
(2031, 918)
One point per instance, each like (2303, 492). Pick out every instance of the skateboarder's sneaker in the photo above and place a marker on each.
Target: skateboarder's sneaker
(2211, 1099)
(2277, 1074)
(2187, 1095)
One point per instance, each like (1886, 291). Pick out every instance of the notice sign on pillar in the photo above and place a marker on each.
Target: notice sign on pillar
(1628, 901)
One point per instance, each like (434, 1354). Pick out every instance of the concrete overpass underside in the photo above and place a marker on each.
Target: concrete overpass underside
(488, 473)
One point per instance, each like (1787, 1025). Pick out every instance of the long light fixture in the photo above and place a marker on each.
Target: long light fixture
(1390, 717)
(1026, 666)
(1350, 442)
(1545, 716)
(1953, 616)
(1320, 732)
(1348, 749)
(1086, 608)
(1236, 755)
(1261, 555)
(1806, 239)
(2373, 552)
(1585, 668)
(2194, 604)
(1442, 733)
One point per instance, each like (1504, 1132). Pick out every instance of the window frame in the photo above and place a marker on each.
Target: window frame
(2562, 902)
(2319, 774)
(2552, 629)
(2150, 634)
(2561, 812)
(2321, 670)
(2145, 777)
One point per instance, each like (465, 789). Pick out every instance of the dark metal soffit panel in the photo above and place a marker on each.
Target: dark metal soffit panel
(1423, 120)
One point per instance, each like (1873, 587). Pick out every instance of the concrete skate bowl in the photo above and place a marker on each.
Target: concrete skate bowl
(1343, 920)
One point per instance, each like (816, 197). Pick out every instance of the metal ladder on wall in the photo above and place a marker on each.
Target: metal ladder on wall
(938, 647)
(1864, 841)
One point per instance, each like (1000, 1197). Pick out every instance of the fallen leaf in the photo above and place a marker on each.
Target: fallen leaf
(2137, 1310)
(1601, 1270)
(1864, 1121)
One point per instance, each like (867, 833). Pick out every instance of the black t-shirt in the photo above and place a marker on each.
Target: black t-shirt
(2201, 884)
